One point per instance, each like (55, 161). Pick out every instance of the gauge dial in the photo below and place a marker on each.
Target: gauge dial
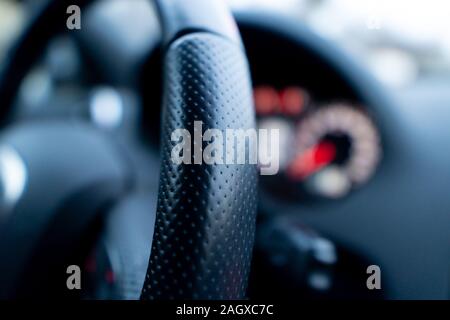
(326, 150)
(337, 149)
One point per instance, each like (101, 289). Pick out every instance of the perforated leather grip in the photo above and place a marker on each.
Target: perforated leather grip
(205, 221)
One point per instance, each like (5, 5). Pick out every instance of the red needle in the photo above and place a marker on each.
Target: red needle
(312, 160)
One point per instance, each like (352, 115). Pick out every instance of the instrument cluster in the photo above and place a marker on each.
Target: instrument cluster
(326, 150)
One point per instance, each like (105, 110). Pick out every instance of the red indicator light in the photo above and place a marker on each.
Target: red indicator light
(91, 264)
(312, 160)
(266, 100)
(290, 101)
(293, 100)
(110, 277)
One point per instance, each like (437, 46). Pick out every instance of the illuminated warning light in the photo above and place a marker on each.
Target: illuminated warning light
(290, 101)
(91, 264)
(267, 100)
(110, 276)
(293, 100)
(312, 160)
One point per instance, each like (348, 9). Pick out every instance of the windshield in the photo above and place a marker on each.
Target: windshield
(401, 41)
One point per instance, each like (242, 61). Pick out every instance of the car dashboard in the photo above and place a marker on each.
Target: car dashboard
(362, 178)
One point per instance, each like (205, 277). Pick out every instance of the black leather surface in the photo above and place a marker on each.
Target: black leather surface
(205, 219)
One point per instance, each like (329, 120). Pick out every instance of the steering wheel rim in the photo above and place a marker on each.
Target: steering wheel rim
(218, 268)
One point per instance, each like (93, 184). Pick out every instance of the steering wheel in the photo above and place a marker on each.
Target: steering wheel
(205, 219)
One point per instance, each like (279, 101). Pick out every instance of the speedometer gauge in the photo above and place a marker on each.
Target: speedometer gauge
(337, 149)
(326, 150)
